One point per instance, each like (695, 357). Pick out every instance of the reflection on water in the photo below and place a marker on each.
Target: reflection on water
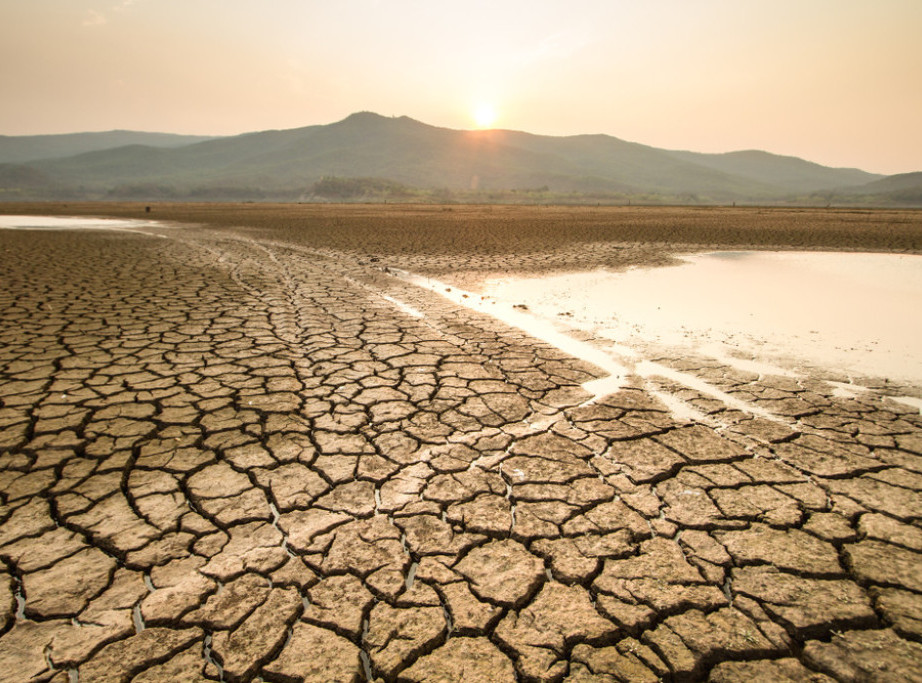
(856, 313)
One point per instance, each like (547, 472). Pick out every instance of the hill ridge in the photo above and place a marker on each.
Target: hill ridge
(405, 152)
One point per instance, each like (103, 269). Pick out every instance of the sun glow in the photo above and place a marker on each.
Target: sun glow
(484, 115)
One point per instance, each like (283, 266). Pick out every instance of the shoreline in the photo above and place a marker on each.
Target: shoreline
(469, 244)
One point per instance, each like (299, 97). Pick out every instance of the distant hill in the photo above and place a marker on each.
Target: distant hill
(894, 183)
(790, 174)
(373, 156)
(24, 148)
(900, 188)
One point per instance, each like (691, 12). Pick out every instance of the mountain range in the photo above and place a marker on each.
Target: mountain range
(367, 156)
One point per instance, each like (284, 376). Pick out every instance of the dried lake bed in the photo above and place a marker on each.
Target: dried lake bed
(242, 452)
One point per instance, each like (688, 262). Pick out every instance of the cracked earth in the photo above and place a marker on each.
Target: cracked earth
(224, 458)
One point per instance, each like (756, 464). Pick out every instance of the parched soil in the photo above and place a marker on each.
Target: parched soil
(234, 452)
(491, 239)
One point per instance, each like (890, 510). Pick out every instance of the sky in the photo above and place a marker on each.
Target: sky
(833, 81)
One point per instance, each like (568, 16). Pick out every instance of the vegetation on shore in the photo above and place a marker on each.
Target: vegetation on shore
(334, 189)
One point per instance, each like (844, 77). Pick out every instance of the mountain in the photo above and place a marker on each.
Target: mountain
(25, 148)
(787, 173)
(368, 155)
(903, 187)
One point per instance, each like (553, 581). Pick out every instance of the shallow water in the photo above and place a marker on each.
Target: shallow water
(74, 223)
(846, 312)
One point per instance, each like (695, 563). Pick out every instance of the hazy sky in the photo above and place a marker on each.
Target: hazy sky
(833, 81)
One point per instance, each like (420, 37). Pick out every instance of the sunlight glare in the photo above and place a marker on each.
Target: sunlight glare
(484, 115)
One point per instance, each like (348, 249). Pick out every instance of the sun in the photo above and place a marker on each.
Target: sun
(484, 115)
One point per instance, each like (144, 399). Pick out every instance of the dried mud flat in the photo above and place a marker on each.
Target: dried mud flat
(242, 454)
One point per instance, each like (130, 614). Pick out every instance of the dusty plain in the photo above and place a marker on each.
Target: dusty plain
(226, 453)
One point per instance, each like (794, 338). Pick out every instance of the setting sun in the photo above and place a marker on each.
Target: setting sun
(484, 115)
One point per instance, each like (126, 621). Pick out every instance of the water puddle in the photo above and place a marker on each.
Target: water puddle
(79, 223)
(845, 312)
(910, 401)
(137, 618)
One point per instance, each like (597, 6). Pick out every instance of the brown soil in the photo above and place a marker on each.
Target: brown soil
(225, 450)
(528, 237)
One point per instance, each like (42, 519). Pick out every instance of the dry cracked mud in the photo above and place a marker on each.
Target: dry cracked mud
(230, 458)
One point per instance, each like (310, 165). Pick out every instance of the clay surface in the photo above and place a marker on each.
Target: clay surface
(246, 451)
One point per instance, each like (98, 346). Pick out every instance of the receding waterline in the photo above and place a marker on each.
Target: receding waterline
(848, 312)
(537, 327)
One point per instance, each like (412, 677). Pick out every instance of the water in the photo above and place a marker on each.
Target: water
(76, 223)
(853, 313)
